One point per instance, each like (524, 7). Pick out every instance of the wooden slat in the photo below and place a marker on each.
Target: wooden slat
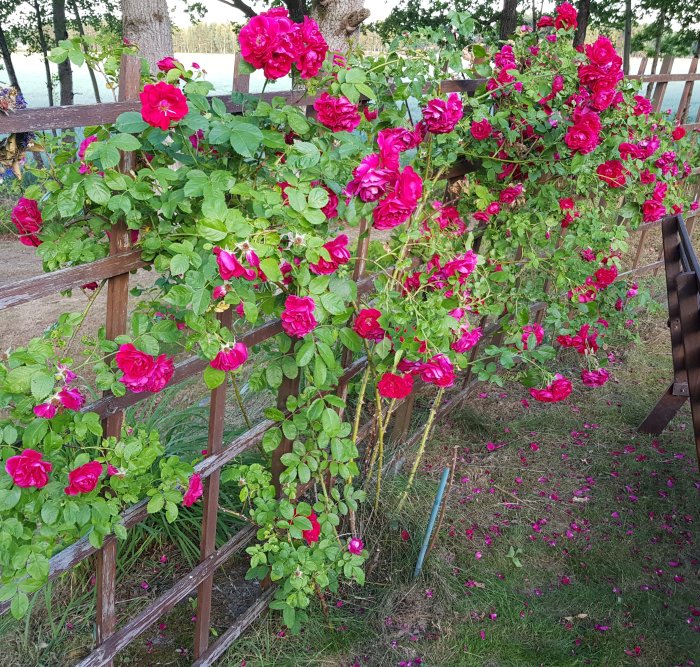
(665, 78)
(217, 414)
(48, 284)
(216, 650)
(684, 103)
(116, 324)
(657, 99)
(103, 654)
(54, 118)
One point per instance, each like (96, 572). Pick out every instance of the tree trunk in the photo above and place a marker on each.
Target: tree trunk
(7, 59)
(44, 49)
(339, 21)
(584, 13)
(147, 24)
(657, 47)
(65, 72)
(534, 15)
(509, 18)
(91, 72)
(628, 37)
(297, 9)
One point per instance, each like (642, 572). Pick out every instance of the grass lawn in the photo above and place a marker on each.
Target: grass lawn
(599, 520)
(569, 539)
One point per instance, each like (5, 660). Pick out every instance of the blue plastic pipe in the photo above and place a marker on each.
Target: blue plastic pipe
(431, 523)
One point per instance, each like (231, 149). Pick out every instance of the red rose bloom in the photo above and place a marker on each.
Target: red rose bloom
(653, 210)
(440, 116)
(370, 179)
(194, 491)
(339, 254)
(230, 357)
(602, 53)
(678, 133)
(298, 315)
(367, 324)
(256, 39)
(605, 276)
(26, 217)
(395, 386)
(84, 479)
(230, 267)
(481, 130)
(565, 17)
(400, 205)
(337, 113)
(28, 469)
(166, 64)
(469, 338)
(510, 194)
(142, 372)
(161, 104)
(314, 533)
(584, 135)
(613, 173)
(71, 398)
(553, 393)
(535, 330)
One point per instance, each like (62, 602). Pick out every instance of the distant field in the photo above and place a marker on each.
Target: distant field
(219, 67)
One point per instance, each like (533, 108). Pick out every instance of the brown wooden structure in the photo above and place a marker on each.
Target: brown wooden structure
(683, 288)
(113, 634)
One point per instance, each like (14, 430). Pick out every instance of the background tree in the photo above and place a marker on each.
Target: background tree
(65, 72)
(584, 13)
(508, 19)
(146, 23)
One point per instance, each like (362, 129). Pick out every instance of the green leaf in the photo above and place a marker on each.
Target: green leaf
(350, 339)
(355, 75)
(96, 190)
(305, 353)
(271, 269)
(297, 200)
(171, 511)
(155, 504)
(49, 513)
(318, 198)
(9, 498)
(271, 440)
(42, 385)
(131, 121)
(34, 432)
(213, 377)
(333, 303)
(245, 137)
(212, 230)
(273, 374)
(179, 264)
(125, 142)
(19, 605)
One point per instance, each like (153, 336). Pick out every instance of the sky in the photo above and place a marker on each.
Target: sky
(221, 13)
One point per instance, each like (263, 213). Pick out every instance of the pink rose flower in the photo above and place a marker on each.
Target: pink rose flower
(298, 315)
(438, 371)
(557, 391)
(230, 357)
(46, 410)
(313, 49)
(584, 135)
(337, 113)
(167, 63)
(596, 378)
(468, 340)
(28, 469)
(602, 53)
(84, 145)
(257, 38)
(400, 205)
(161, 104)
(355, 546)
(26, 217)
(395, 386)
(440, 116)
(535, 330)
(194, 491)
(510, 194)
(142, 372)
(370, 179)
(71, 398)
(565, 18)
(230, 267)
(84, 479)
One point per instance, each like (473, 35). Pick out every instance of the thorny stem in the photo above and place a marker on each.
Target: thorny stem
(421, 448)
(239, 400)
(88, 307)
(379, 451)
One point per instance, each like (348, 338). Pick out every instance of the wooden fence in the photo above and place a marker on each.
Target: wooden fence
(112, 637)
(656, 90)
(682, 271)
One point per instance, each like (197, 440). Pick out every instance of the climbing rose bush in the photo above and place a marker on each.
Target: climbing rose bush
(260, 214)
